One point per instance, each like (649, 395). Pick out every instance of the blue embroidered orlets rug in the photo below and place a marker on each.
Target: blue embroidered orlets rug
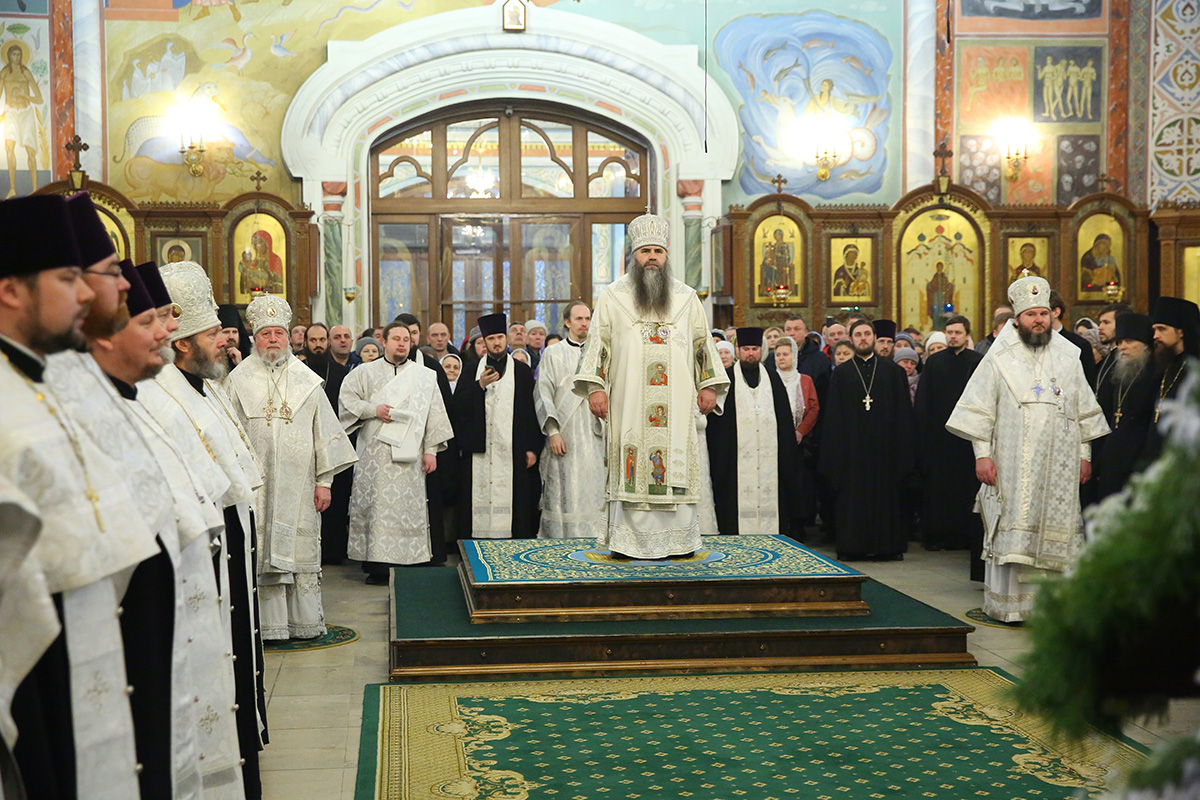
(493, 561)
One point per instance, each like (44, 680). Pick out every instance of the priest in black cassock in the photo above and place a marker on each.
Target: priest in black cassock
(868, 451)
(496, 428)
(335, 520)
(441, 486)
(752, 447)
(946, 462)
(1176, 325)
(1127, 397)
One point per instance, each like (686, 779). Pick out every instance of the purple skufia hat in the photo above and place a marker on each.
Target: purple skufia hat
(138, 299)
(38, 235)
(153, 282)
(91, 237)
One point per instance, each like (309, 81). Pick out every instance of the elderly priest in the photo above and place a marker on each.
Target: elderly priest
(396, 407)
(300, 444)
(752, 446)
(1029, 414)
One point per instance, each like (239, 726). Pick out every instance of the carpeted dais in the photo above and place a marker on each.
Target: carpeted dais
(335, 635)
(948, 734)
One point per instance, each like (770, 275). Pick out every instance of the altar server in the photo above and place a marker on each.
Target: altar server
(752, 446)
(74, 730)
(572, 466)
(301, 446)
(395, 406)
(1029, 413)
(185, 397)
(496, 427)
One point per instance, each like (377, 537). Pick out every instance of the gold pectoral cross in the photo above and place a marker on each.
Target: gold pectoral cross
(94, 499)
(867, 402)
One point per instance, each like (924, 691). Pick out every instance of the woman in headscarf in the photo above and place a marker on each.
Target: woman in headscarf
(452, 365)
(725, 350)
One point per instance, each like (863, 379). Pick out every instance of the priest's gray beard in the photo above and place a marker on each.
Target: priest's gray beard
(1032, 339)
(651, 287)
(271, 357)
(198, 363)
(1129, 367)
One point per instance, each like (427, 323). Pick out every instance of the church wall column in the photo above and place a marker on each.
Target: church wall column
(920, 71)
(691, 193)
(332, 272)
(62, 95)
(87, 30)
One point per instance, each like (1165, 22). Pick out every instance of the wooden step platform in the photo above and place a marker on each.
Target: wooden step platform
(566, 580)
(432, 638)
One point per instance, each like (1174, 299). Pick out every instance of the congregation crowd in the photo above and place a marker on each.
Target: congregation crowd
(174, 473)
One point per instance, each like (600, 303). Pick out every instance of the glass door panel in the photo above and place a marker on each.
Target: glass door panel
(609, 251)
(403, 268)
(476, 270)
(547, 254)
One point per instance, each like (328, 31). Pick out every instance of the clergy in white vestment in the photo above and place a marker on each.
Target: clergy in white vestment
(396, 406)
(73, 724)
(649, 361)
(204, 742)
(752, 447)
(186, 399)
(1029, 413)
(572, 463)
(495, 425)
(301, 446)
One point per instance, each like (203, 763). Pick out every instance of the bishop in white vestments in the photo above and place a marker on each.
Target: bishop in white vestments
(572, 463)
(649, 361)
(301, 446)
(396, 406)
(1029, 413)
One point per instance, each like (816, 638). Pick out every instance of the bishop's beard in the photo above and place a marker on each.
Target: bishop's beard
(651, 288)
(272, 357)
(1126, 370)
(198, 363)
(1034, 339)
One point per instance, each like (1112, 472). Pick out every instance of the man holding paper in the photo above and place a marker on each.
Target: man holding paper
(396, 406)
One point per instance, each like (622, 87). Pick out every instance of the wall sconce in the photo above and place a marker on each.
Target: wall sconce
(193, 157)
(350, 292)
(1015, 135)
(826, 158)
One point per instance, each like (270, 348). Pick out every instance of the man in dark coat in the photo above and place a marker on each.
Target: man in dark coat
(947, 463)
(751, 491)
(868, 450)
(501, 386)
(1058, 312)
(1128, 398)
(1176, 337)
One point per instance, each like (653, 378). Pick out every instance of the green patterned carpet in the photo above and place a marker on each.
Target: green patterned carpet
(947, 734)
(335, 635)
(578, 560)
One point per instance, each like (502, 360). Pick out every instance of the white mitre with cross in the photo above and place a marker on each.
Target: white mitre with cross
(649, 229)
(268, 311)
(1028, 292)
(191, 290)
